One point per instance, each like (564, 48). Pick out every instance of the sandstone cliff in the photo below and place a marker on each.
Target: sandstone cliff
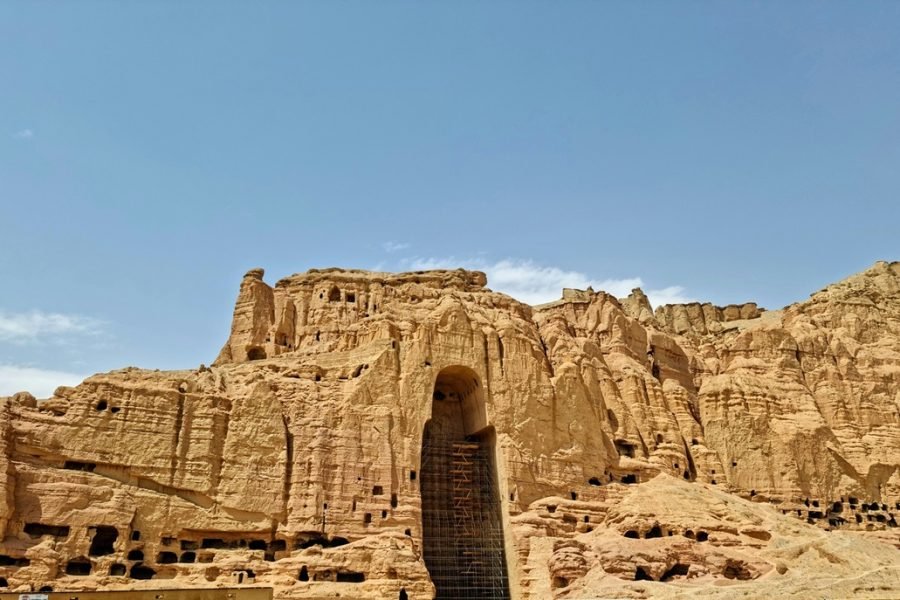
(352, 417)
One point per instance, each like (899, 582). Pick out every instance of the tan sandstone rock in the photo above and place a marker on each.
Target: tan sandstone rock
(375, 435)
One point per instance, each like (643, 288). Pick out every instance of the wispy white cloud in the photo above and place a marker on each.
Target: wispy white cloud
(39, 326)
(533, 283)
(40, 382)
(394, 246)
(24, 134)
(674, 294)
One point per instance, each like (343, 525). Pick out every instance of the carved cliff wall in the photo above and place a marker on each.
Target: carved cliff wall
(296, 459)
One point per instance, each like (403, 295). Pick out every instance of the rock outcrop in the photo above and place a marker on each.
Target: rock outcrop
(373, 435)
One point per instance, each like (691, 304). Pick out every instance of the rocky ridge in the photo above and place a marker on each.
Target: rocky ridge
(295, 460)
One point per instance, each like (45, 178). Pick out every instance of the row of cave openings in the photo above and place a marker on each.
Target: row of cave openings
(847, 510)
(104, 538)
(658, 531)
(338, 576)
(640, 574)
(733, 569)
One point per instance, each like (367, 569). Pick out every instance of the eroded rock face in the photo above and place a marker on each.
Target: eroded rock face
(668, 537)
(594, 427)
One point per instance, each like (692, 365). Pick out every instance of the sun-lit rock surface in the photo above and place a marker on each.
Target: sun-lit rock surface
(675, 539)
(297, 460)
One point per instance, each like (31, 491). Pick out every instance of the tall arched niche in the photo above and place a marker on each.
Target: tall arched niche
(462, 525)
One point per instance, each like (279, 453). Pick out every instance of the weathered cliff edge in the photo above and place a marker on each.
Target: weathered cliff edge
(726, 449)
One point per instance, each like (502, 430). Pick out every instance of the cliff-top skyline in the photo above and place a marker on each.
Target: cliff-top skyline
(150, 154)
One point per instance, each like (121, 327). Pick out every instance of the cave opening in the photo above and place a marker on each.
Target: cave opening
(141, 571)
(103, 541)
(462, 526)
(677, 570)
(256, 353)
(36, 530)
(80, 566)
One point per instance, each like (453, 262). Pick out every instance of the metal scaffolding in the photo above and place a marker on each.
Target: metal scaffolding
(462, 526)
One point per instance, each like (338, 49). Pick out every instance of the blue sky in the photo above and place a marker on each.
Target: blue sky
(151, 153)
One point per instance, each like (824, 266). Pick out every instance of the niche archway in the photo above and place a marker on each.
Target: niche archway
(461, 520)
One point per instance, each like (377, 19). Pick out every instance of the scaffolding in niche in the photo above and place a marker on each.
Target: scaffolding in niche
(462, 527)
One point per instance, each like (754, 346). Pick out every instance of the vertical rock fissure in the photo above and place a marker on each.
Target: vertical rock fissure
(179, 418)
(288, 464)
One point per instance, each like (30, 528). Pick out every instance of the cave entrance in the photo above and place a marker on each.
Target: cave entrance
(462, 525)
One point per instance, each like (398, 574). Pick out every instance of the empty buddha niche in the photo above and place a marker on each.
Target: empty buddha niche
(461, 520)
